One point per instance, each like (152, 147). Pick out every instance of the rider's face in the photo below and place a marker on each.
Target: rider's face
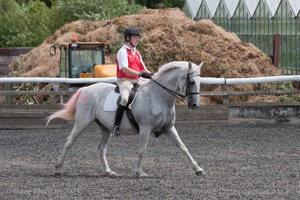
(134, 40)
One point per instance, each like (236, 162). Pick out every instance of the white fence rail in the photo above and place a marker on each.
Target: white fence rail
(56, 80)
(233, 81)
(204, 80)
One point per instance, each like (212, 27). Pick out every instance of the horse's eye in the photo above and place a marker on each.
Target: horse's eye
(192, 82)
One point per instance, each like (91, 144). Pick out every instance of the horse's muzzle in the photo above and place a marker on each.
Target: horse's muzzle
(193, 105)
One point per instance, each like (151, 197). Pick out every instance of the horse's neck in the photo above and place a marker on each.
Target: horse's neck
(170, 81)
(160, 94)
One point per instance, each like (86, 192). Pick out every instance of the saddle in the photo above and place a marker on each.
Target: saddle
(128, 110)
(130, 99)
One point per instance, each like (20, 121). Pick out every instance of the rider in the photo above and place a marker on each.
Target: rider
(130, 67)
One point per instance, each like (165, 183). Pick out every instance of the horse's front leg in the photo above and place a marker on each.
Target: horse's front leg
(173, 135)
(143, 141)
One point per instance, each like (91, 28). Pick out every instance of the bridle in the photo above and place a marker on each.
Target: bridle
(188, 91)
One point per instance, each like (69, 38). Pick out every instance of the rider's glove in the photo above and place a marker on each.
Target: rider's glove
(146, 75)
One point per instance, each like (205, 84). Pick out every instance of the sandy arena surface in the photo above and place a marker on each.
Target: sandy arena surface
(241, 162)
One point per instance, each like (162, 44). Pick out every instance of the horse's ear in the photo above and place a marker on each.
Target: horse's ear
(201, 65)
(190, 65)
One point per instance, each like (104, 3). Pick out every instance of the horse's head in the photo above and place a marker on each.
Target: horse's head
(190, 85)
(180, 79)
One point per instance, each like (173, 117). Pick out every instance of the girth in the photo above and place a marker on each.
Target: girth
(128, 110)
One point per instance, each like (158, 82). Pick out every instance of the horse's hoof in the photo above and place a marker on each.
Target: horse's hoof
(140, 174)
(200, 173)
(157, 134)
(57, 173)
(112, 174)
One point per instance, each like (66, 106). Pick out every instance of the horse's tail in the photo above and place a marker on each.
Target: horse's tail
(69, 110)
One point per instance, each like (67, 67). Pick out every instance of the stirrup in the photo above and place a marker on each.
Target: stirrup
(116, 131)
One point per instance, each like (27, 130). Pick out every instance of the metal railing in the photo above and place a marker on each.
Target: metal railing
(224, 82)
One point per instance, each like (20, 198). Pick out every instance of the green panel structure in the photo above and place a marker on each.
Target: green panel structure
(257, 21)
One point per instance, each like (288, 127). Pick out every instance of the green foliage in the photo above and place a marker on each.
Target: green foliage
(23, 24)
(95, 9)
(281, 86)
(289, 98)
(161, 3)
(276, 86)
(26, 23)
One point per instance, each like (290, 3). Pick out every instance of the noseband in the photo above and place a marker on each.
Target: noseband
(188, 91)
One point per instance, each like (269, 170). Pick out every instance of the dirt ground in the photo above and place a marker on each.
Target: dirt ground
(241, 162)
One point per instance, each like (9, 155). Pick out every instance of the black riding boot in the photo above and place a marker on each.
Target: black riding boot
(118, 118)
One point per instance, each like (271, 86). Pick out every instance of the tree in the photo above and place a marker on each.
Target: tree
(48, 3)
(23, 23)
(95, 9)
(161, 3)
(28, 22)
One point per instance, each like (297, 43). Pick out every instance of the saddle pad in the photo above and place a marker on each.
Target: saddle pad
(110, 103)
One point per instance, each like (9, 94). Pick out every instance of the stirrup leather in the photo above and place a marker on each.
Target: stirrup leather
(115, 130)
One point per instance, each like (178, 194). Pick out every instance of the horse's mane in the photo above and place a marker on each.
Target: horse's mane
(171, 65)
(181, 65)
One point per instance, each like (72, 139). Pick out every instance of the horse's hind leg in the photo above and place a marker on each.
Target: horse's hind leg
(102, 147)
(76, 131)
(173, 135)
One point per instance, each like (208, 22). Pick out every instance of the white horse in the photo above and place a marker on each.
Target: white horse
(153, 109)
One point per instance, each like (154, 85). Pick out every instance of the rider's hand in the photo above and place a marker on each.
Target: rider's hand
(146, 75)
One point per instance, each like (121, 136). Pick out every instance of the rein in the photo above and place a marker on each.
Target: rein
(175, 94)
